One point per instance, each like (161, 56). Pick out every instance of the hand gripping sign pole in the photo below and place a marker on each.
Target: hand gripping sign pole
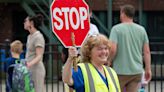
(74, 58)
(70, 19)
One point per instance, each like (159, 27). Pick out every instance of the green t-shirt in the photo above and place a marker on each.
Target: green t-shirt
(130, 39)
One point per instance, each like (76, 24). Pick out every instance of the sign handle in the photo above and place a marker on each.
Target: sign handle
(74, 58)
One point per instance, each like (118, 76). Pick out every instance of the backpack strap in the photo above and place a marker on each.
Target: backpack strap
(18, 61)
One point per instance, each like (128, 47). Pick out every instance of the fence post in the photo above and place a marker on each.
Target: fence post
(0, 74)
(7, 47)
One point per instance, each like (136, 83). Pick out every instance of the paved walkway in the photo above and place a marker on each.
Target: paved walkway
(56, 88)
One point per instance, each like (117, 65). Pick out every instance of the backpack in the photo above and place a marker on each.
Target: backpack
(21, 78)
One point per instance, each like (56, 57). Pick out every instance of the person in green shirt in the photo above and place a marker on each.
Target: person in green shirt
(130, 47)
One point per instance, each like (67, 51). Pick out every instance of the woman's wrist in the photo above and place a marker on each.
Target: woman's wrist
(70, 58)
(28, 64)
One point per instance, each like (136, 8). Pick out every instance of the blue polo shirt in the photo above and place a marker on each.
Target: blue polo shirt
(79, 80)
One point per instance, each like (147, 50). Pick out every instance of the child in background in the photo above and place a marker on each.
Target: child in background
(16, 48)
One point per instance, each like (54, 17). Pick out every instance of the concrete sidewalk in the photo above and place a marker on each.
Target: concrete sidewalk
(56, 88)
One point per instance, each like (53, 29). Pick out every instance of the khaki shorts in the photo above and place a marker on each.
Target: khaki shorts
(129, 83)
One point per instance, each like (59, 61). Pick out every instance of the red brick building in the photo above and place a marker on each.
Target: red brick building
(12, 14)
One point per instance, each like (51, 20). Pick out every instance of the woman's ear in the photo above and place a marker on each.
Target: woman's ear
(31, 24)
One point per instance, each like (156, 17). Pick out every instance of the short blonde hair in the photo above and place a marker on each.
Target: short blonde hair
(16, 47)
(92, 42)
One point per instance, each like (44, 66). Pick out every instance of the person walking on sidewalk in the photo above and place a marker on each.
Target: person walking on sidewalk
(35, 50)
(130, 47)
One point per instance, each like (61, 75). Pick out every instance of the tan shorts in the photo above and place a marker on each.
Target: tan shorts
(129, 83)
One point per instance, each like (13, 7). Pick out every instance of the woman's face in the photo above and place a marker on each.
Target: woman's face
(27, 24)
(100, 54)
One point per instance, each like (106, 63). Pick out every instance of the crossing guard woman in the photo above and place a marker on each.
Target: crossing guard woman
(92, 75)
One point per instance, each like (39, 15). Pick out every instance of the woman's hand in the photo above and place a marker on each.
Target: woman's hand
(72, 52)
(28, 65)
(67, 70)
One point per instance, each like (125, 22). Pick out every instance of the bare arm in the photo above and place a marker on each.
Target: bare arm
(147, 61)
(39, 53)
(113, 52)
(67, 70)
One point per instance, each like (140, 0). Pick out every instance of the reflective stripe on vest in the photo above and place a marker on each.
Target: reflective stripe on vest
(90, 86)
(91, 82)
(111, 75)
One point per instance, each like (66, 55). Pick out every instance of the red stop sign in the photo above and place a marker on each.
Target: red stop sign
(70, 16)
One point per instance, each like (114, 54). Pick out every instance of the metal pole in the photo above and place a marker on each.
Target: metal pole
(40, 8)
(141, 12)
(0, 73)
(50, 62)
(99, 22)
(109, 13)
(161, 75)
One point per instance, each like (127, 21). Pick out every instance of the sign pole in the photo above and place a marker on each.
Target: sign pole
(74, 58)
(69, 20)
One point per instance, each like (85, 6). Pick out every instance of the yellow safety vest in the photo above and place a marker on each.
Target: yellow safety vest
(93, 81)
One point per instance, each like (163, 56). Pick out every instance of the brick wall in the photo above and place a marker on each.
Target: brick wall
(5, 23)
(7, 10)
(154, 5)
(118, 3)
(149, 5)
(97, 5)
(6, 20)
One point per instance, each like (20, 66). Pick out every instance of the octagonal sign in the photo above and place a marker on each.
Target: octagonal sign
(70, 16)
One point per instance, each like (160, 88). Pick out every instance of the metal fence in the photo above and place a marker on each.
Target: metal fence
(52, 62)
(53, 65)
